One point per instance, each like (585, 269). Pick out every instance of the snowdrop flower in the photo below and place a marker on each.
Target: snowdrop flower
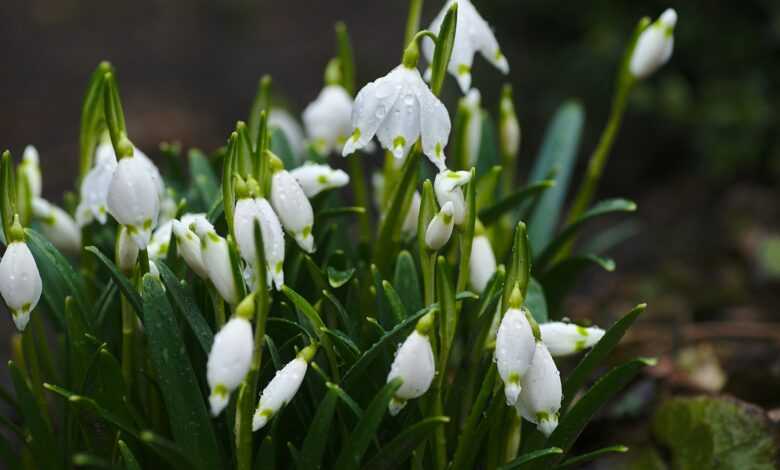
(20, 282)
(472, 34)
(229, 361)
(58, 226)
(247, 211)
(282, 387)
(563, 339)
(284, 122)
(409, 227)
(315, 178)
(515, 347)
(188, 247)
(30, 170)
(439, 230)
(134, 198)
(399, 108)
(471, 103)
(161, 238)
(197, 223)
(654, 46)
(216, 257)
(293, 208)
(482, 264)
(540, 399)
(126, 251)
(94, 187)
(508, 126)
(328, 119)
(447, 187)
(414, 364)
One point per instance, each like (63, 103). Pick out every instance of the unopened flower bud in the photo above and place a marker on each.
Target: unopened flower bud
(515, 346)
(247, 211)
(482, 264)
(654, 46)
(229, 361)
(328, 119)
(216, 257)
(20, 282)
(58, 226)
(439, 230)
(563, 339)
(282, 388)
(540, 399)
(409, 227)
(30, 170)
(293, 208)
(414, 364)
(134, 199)
(188, 247)
(126, 251)
(508, 126)
(315, 178)
(447, 187)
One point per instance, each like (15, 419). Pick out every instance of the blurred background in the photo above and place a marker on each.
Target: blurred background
(699, 150)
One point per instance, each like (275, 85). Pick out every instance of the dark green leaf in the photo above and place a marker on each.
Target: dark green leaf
(346, 58)
(91, 117)
(346, 320)
(44, 446)
(124, 284)
(509, 203)
(395, 452)
(337, 278)
(590, 456)
(169, 451)
(318, 431)
(185, 303)
(131, 463)
(467, 442)
(332, 213)
(530, 457)
(444, 46)
(396, 305)
(407, 282)
(389, 234)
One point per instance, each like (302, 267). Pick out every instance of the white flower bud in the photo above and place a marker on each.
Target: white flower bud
(229, 361)
(439, 230)
(293, 208)
(328, 119)
(58, 226)
(540, 399)
(126, 251)
(509, 127)
(447, 187)
(95, 185)
(20, 282)
(161, 240)
(482, 264)
(247, 211)
(134, 199)
(409, 227)
(188, 247)
(414, 364)
(515, 346)
(471, 102)
(30, 170)
(315, 178)
(282, 388)
(654, 46)
(216, 257)
(563, 339)
(198, 223)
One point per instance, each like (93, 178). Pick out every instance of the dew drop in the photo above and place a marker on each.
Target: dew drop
(381, 112)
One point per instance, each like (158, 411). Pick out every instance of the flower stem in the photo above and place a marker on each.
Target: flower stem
(413, 20)
(219, 307)
(128, 333)
(358, 178)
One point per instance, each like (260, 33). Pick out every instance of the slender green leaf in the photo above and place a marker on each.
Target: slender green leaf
(317, 435)
(590, 456)
(346, 58)
(536, 301)
(519, 272)
(394, 300)
(444, 46)
(185, 303)
(467, 442)
(530, 457)
(86, 460)
(7, 193)
(395, 452)
(281, 147)
(171, 452)
(92, 117)
(311, 314)
(89, 403)
(509, 203)
(261, 104)
(131, 463)
(346, 319)
(120, 280)
(203, 178)
(44, 446)
(407, 282)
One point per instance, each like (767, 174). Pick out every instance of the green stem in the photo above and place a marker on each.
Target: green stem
(358, 179)
(219, 307)
(413, 20)
(128, 333)
(33, 367)
(512, 436)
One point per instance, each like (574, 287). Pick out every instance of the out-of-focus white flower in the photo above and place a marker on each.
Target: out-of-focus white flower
(315, 178)
(398, 108)
(563, 339)
(134, 198)
(378, 183)
(30, 170)
(247, 211)
(286, 123)
(126, 251)
(216, 257)
(447, 187)
(293, 208)
(471, 103)
(20, 282)
(414, 364)
(409, 227)
(472, 34)
(482, 264)
(160, 242)
(168, 208)
(654, 46)
(58, 226)
(94, 187)
(229, 361)
(508, 126)
(328, 119)
(188, 247)
(439, 230)
(515, 349)
(540, 399)
(282, 388)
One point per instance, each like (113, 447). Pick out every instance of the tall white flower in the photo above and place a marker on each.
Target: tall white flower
(58, 226)
(654, 46)
(482, 264)
(229, 361)
(447, 187)
(30, 170)
(188, 247)
(540, 399)
(216, 257)
(409, 227)
(414, 364)
(293, 208)
(94, 187)
(282, 388)
(20, 282)
(160, 241)
(398, 108)
(315, 178)
(472, 34)
(471, 103)
(328, 119)
(515, 349)
(126, 251)
(247, 211)
(439, 229)
(284, 122)
(134, 198)
(563, 339)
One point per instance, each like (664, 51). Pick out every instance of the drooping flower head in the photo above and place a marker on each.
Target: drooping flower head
(247, 211)
(447, 187)
(30, 170)
(188, 244)
(229, 361)
(20, 281)
(414, 364)
(439, 229)
(282, 388)
(292, 206)
(515, 347)
(482, 263)
(563, 339)
(279, 119)
(315, 178)
(58, 226)
(540, 398)
(216, 258)
(654, 46)
(328, 119)
(160, 241)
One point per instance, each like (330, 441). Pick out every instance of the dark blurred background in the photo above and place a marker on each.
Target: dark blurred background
(699, 149)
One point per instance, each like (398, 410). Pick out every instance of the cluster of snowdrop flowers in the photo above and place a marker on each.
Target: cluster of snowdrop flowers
(414, 365)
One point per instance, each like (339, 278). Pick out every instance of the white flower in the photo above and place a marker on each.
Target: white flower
(229, 361)
(328, 119)
(161, 238)
(188, 247)
(152, 168)
(293, 208)
(216, 257)
(282, 388)
(414, 364)
(134, 198)
(58, 226)
(508, 127)
(447, 187)
(471, 102)
(563, 339)
(315, 178)
(654, 46)
(482, 264)
(126, 251)
(439, 230)
(283, 121)
(198, 223)
(409, 227)
(540, 399)
(247, 211)
(30, 170)
(94, 187)
(20, 282)
(515, 346)
(471, 35)
(398, 108)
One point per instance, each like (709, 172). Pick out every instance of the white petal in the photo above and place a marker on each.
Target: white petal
(401, 128)
(198, 223)
(279, 391)
(439, 230)
(95, 186)
(126, 251)
(161, 238)
(371, 108)
(435, 128)
(31, 170)
(414, 364)
(441, 187)
(293, 208)
(20, 282)
(563, 339)
(188, 247)
(540, 399)
(273, 242)
(133, 199)
(409, 227)
(654, 46)
(229, 360)
(58, 226)
(216, 258)
(328, 119)
(515, 349)
(315, 178)
(286, 123)
(482, 264)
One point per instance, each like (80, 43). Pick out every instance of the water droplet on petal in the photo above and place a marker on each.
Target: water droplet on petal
(381, 112)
